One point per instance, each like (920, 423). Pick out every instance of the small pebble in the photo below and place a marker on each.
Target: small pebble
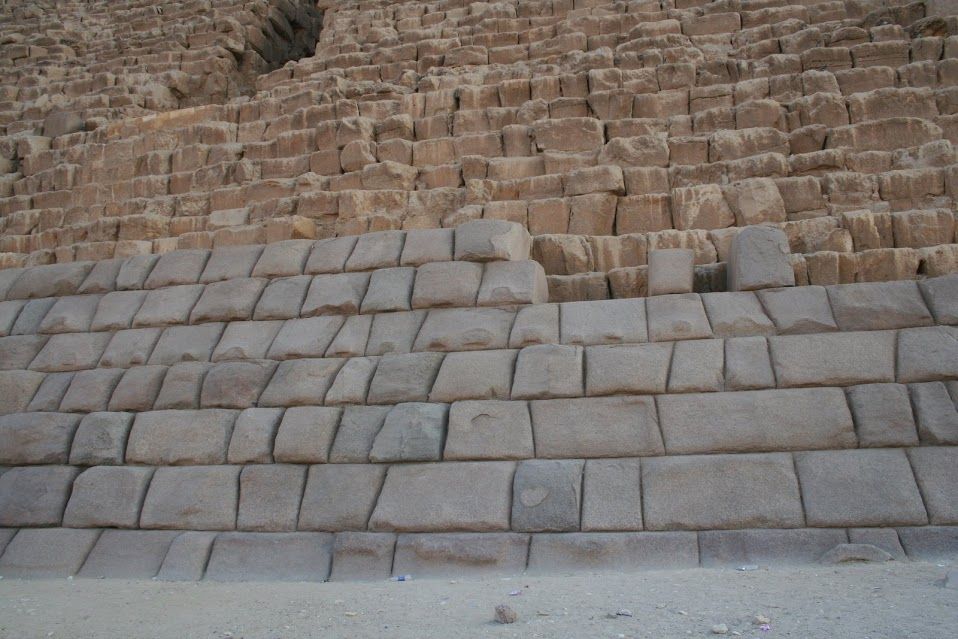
(720, 629)
(505, 614)
(625, 612)
(758, 620)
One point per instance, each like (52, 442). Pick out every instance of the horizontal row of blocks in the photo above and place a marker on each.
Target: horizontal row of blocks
(862, 487)
(348, 556)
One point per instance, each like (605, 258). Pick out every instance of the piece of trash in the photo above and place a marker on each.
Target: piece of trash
(625, 612)
(401, 578)
(505, 614)
(515, 593)
(747, 568)
(765, 627)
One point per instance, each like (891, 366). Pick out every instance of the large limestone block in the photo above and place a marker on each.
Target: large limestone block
(134, 271)
(358, 428)
(282, 259)
(926, 354)
(253, 435)
(878, 305)
(246, 340)
(603, 322)
(300, 382)
(406, 377)
(107, 496)
(186, 557)
(47, 552)
(270, 557)
(721, 492)
(517, 282)
(36, 438)
(235, 384)
(17, 388)
(754, 421)
(181, 386)
(376, 250)
(491, 240)
(412, 431)
(116, 310)
(627, 368)
(737, 314)
(569, 134)
(330, 255)
(390, 289)
(747, 365)
(803, 309)
(428, 245)
(168, 306)
(441, 284)
(859, 488)
(936, 470)
(72, 314)
(360, 556)
(180, 437)
(734, 548)
(50, 280)
(547, 495)
(31, 315)
(352, 338)
(394, 332)
(759, 259)
(228, 300)
(670, 271)
(128, 554)
(137, 389)
(700, 207)
(941, 294)
(677, 317)
(452, 555)
(71, 352)
(465, 330)
(17, 351)
(228, 262)
(548, 370)
(307, 337)
(611, 495)
(90, 390)
(612, 552)
(306, 434)
(186, 344)
(445, 497)
(883, 415)
(177, 267)
(101, 439)
(192, 497)
(489, 430)
(269, 497)
(50, 393)
(474, 375)
(537, 324)
(834, 359)
(8, 315)
(935, 413)
(340, 496)
(131, 347)
(336, 294)
(282, 298)
(929, 543)
(35, 495)
(352, 382)
(596, 427)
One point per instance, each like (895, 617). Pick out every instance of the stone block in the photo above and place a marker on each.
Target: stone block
(300, 382)
(131, 347)
(107, 496)
(394, 332)
(803, 309)
(446, 497)
(627, 368)
(412, 432)
(836, 359)
(537, 324)
(491, 240)
(352, 382)
(36, 438)
(186, 344)
(456, 554)
(873, 487)
(878, 305)
(282, 298)
(192, 497)
(697, 366)
(35, 495)
(246, 340)
(168, 306)
(269, 497)
(747, 364)
(306, 434)
(390, 289)
(180, 437)
(474, 375)
(17, 351)
(270, 557)
(465, 330)
(253, 435)
(352, 338)
(47, 552)
(360, 556)
(406, 377)
(603, 322)
(936, 470)
(440, 284)
(228, 300)
(607, 552)
(235, 384)
(720, 548)
(71, 352)
(883, 538)
(91, 390)
(340, 496)
(50, 392)
(930, 543)
(49, 280)
(177, 267)
(282, 259)
(721, 492)
(927, 354)
(229, 262)
(187, 556)
(700, 207)
(336, 294)
(72, 314)
(330, 255)
(8, 315)
(128, 554)
(17, 389)
(677, 317)
(427, 245)
(308, 337)
(506, 283)
(181, 386)
(31, 316)
(883, 415)
(611, 495)
(134, 271)
(935, 413)
(381, 249)
(759, 259)
(137, 388)
(548, 370)
(618, 426)
(100, 439)
(670, 271)
(755, 421)
(941, 294)
(489, 430)
(358, 428)
(737, 314)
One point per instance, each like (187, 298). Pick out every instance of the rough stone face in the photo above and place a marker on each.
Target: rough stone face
(393, 332)
(627, 368)
(308, 337)
(927, 354)
(547, 495)
(168, 306)
(235, 384)
(876, 306)
(192, 498)
(489, 430)
(759, 259)
(100, 439)
(253, 435)
(803, 309)
(670, 271)
(283, 258)
(452, 554)
(504, 283)
(91, 390)
(466, 330)
(603, 322)
(352, 382)
(138, 388)
(173, 437)
(441, 284)
(228, 300)
(941, 294)
(337, 294)
(269, 497)
(538, 324)
(270, 557)
(35, 495)
(47, 552)
(491, 240)
(36, 438)
(178, 267)
(836, 359)
(937, 473)
(883, 415)
(300, 382)
(128, 554)
(596, 427)
(340, 496)
(359, 556)
(181, 386)
(186, 344)
(611, 495)
(186, 557)
(411, 432)
(935, 413)
(677, 317)
(612, 551)
(107, 496)
(737, 314)
(282, 298)
(358, 428)
(771, 547)
(548, 370)
(404, 378)
(474, 375)
(306, 434)
(697, 366)
(747, 364)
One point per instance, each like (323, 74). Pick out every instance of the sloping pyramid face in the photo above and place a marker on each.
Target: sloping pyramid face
(356, 289)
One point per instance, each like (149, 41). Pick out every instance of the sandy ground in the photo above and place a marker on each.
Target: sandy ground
(894, 600)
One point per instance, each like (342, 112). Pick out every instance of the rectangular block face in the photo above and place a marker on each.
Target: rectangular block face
(35, 495)
(269, 497)
(36, 438)
(936, 470)
(870, 487)
(603, 322)
(612, 498)
(756, 421)
(627, 368)
(738, 547)
(835, 359)
(883, 415)
(596, 427)
(340, 496)
(489, 430)
(270, 557)
(612, 551)
(446, 497)
(453, 554)
(721, 492)
(47, 552)
(175, 437)
(128, 554)
(192, 498)
(873, 306)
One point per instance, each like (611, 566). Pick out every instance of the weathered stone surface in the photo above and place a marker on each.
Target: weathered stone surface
(447, 497)
(330, 255)
(935, 413)
(282, 298)
(447, 555)
(759, 259)
(412, 431)
(253, 435)
(71, 352)
(128, 554)
(548, 370)
(181, 386)
(721, 492)
(192, 497)
(627, 368)
(859, 488)
(390, 289)
(505, 283)
(394, 332)
(677, 317)
(941, 294)
(71, 314)
(670, 271)
(737, 314)
(47, 552)
(178, 267)
(376, 250)
(17, 351)
(173, 437)
(235, 384)
(405, 377)
(31, 315)
(927, 354)
(35, 495)
(107, 496)
(929, 543)
(186, 344)
(537, 324)
(441, 284)
(300, 382)
(187, 556)
(336, 294)
(131, 347)
(596, 427)
(611, 495)
(340, 496)
(491, 240)
(878, 305)
(936, 471)
(228, 300)
(612, 551)
(747, 364)
(835, 359)
(50, 392)
(134, 271)
(100, 439)
(137, 389)
(51, 280)
(91, 390)
(270, 557)
(474, 375)
(803, 309)
(427, 245)
(766, 547)
(603, 322)
(17, 388)
(883, 415)
(246, 340)
(697, 366)
(228, 262)
(489, 430)
(281, 259)
(269, 497)
(547, 495)
(168, 306)
(351, 339)
(361, 556)
(465, 330)
(352, 381)
(36, 438)
(306, 434)
(358, 428)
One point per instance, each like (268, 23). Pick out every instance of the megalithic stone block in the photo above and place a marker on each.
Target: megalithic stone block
(759, 259)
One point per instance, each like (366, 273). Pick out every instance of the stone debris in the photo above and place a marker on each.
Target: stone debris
(505, 614)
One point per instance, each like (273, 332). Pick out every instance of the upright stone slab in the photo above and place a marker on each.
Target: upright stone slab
(759, 259)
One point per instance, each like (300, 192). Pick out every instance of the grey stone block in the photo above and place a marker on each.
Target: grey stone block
(412, 432)
(8, 315)
(612, 551)
(351, 339)
(883, 538)
(181, 386)
(281, 259)
(180, 437)
(753, 421)
(7, 279)
(31, 315)
(35, 495)
(340, 496)
(253, 435)
(927, 354)
(6, 534)
(941, 294)
(91, 390)
(721, 492)
(627, 368)
(883, 415)
(547, 495)
(489, 240)
(270, 557)
(128, 554)
(17, 351)
(441, 284)
(596, 427)
(246, 340)
(677, 317)
(935, 413)
(49, 280)
(446, 497)
(878, 305)
(548, 370)
(804, 309)
(306, 434)
(489, 430)
(427, 245)
(192, 497)
(465, 330)
(759, 259)
(137, 389)
(186, 344)
(116, 310)
(228, 300)
(394, 332)
(603, 322)
(236, 384)
(107, 496)
(168, 306)
(131, 347)
(612, 495)
(361, 556)
(358, 428)
(767, 547)
(404, 377)
(747, 364)
(352, 381)
(230, 262)
(330, 255)
(101, 439)
(102, 277)
(936, 470)
(390, 289)
(47, 552)
(17, 388)
(36, 438)
(337, 294)
(72, 314)
(537, 324)
(269, 497)
(177, 267)
(834, 359)
(300, 382)
(474, 375)
(381, 249)
(282, 298)
(872, 487)
(927, 543)
(507, 283)
(134, 271)
(71, 352)
(50, 393)
(737, 314)
(670, 271)
(456, 554)
(187, 556)
(309, 337)
(697, 366)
